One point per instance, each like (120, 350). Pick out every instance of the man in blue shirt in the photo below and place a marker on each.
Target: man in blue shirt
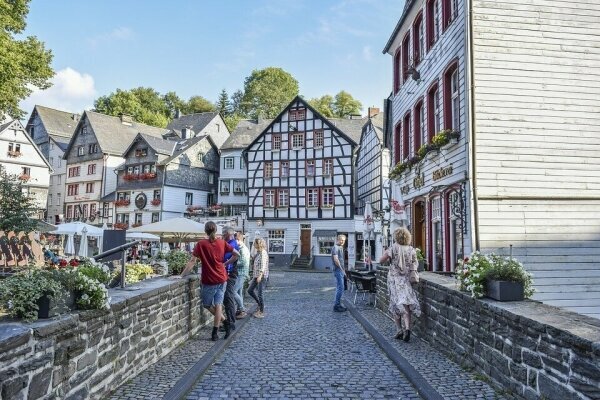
(232, 273)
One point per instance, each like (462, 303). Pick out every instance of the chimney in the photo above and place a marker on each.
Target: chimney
(75, 117)
(373, 111)
(126, 119)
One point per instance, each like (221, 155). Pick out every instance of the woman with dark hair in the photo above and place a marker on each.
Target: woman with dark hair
(211, 254)
(403, 299)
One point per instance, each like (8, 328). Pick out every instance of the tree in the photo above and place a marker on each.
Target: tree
(267, 92)
(323, 104)
(345, 105)
(236, 102)
(24, 64)
(145, 105)
(198, 104)
(173, 103)
(232, 121)
(17, 207)
(223, 105)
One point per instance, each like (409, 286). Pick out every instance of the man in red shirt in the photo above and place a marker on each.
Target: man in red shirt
(213, 274)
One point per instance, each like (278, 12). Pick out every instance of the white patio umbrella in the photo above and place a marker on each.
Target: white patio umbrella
(368, 230)
(177, 228)
(75, 228)
(83, 244)
(148, 237)
(70, 246)
(398, 215)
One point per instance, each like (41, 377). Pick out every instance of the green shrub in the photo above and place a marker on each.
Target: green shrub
(177, 260)
(99, 273)
(133, 273)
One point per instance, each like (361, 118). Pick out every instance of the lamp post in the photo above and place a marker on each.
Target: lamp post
(243, 215)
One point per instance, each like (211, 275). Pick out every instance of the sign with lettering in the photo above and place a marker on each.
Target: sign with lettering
(442, 173)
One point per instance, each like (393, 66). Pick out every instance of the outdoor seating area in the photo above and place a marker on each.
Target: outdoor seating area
(363, 282)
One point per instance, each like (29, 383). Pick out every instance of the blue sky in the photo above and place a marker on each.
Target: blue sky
(201, 47)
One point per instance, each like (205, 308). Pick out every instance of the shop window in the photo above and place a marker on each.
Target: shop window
(325, 244)
(276, 241)
(437, 238)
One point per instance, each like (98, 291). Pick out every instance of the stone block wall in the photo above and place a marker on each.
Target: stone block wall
(531, 350)
(86, 355)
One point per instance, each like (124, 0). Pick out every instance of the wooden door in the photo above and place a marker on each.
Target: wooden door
(305, 242)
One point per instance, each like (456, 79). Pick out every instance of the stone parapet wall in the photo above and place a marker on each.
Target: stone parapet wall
(531, 350)
(88, 354)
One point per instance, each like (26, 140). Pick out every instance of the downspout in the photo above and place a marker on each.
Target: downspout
(472, 172)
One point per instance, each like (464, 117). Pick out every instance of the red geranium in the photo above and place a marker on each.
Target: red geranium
(74, 263)
(62, 263)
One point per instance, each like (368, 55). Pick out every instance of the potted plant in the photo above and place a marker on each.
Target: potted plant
(507, 280)
(470, 273)
(30, 294)
(177, 260)
(420, 259)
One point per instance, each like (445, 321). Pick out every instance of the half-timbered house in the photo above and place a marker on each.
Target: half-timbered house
(301, 183)
(494, 135)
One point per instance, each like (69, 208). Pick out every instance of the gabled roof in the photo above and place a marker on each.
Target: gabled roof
(378, 122)
(61, 142)
(196, 122)
(56, 122)
(183, 146)
(407, 6)
(19, 126)
(159, 145)
(113, 135)
(245, 133)
(351, 127)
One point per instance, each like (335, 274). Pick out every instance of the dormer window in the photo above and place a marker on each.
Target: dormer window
(297, 114)
(84, 130)
(141, 152)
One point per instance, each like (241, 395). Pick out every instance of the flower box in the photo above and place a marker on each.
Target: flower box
(122, 203)
(136, 225)
(24, 177)
(14, 153)
(505, 290)
(120, 225)
(155, 202)
(130, 177)
(147, 176)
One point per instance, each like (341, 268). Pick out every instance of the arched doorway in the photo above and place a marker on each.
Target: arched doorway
(419, 225)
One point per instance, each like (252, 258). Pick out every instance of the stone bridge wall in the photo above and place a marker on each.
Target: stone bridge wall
(88, 354)
(532, 350)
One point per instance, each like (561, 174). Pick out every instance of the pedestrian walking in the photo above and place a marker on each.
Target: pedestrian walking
(339, 272)
(229, 302)
(403, 267)
(210, 252)
(260, 271)
(243, 270)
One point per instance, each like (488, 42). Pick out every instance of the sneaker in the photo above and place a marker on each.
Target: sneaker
(258, 314)
(241, 315)
(339, 308)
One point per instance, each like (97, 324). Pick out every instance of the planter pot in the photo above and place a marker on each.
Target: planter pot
(505, 291)
(161, 268)
(421, 266)
(49, 307)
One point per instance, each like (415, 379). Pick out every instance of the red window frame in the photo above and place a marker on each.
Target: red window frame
(406, 137)
(268, 169)
(447, 15)
(429, 22)
(276, 141)
(418, 111)
(448, 94)
(318, 197)
(405, 53)
(397, 138)
(296, 114)
(417, 25)
(397, 69)
(272, 191)
(431, 128)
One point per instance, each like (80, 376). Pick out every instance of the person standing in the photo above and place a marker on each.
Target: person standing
(339, 271)
(403, 299)
(243, 268)
(232, 274)
(260, 271)
(211, 252)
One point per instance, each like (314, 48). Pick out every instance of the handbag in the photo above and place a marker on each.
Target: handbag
(413, 276)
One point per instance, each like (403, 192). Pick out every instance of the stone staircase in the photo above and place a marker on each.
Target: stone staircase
(301, 263)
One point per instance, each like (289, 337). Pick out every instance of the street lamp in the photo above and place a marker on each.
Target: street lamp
(243, 215)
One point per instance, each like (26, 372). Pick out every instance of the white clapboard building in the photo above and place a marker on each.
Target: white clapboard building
(514, 85)
(300, 184)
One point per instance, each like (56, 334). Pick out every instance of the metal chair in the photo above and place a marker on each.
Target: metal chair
(364, 285)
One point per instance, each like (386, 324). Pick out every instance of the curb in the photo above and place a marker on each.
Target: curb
(422, 386)
(186, 383)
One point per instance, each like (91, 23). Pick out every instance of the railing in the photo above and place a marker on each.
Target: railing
(294, 254)
(311, 256)
(118, 249)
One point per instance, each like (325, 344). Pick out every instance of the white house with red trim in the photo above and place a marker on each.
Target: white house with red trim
(514, 86)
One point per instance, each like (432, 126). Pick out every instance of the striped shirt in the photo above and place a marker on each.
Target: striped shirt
(261, 264)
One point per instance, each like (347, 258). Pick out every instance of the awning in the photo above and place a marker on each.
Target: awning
(324, 233)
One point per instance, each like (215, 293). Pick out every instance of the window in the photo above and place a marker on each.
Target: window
(405, 53)
(58, 198)
(80, 151)
(200, 157)
(397, 147)
(269, 198)
(58, 179)
(72, 190)
(297, 140)
(276, 142)
(122, 218)
(91, 169)
(31, 132)
(136, 170)
(69, 212)
(451, 98)
(51, 161)
(327, 197)
(242, 163)
(123, 196)
(312, 198)
(89, 188)
(238, 186)
(297, 114)
(283, 198)
(225, 186)
(155, 217)
(49, 199)
(74, 171)
(138, 218)
(141, 152)
(319, 138)
(437, 239)
(156, 195)
(419, 138)
(328, 167)
(93, 148)
(325, 244)
(276, 240)
(310, 167)
(84, 130)
(84, 209)
(146, 168)
(268, 171)
(26, 171)
(433, 22)
(406, 137)
(449, 11)
(433, 111)
(211, 178)
(92, 209)
(284, 171)
(418, 39)
(228, 163)
(189, 198)
(129, 170)
(397, 69)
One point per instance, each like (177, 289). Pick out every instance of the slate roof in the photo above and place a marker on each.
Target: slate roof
(114, 136)
(351, 127)
(56, 122)
(378, 121)
(246, 131)
(407, 6)
(182, 146)
(5, 125)
(160, 145)
(196, 122)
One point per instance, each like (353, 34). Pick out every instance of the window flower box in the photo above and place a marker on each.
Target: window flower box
(147, 176)
(130, 177)
(24, 177)
(121, 225)
(155, 202)
(14, 154)
(136, 225)
(122, 203)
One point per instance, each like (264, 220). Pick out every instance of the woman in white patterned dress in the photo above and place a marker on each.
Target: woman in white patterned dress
(403, 299)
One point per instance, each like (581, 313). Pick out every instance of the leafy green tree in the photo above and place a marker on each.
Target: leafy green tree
(267, 92)
(24, 64)
(232, 121)
(236, 103)
(323, 104)
(17, 206)
(198, 104)
(145, 105)
(345, 105)
(173, 103)
(223, 105)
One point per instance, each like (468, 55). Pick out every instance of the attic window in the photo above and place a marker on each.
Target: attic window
(200, 156)
(84, 130)
(80, 151)
(297, 114)
(141, 152)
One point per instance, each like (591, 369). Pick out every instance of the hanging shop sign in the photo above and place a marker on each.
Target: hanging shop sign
(442, 173)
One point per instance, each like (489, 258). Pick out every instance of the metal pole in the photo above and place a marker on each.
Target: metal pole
(510, 252)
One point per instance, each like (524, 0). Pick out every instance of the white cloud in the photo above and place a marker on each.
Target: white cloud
(71, 91)
(118, 34)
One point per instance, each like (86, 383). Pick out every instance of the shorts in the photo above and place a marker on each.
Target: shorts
(212, 295)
